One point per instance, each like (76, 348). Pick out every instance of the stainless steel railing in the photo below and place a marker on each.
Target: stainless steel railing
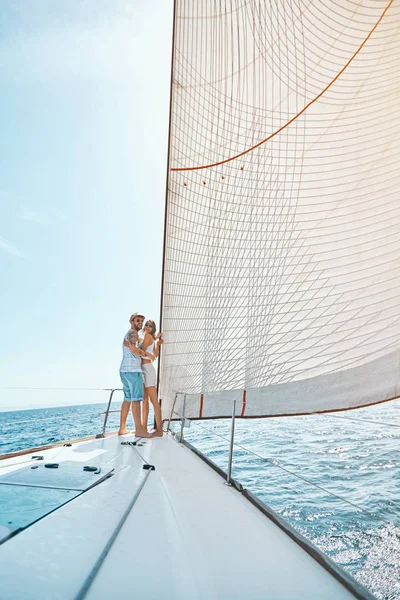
(112, 390)
(180, 436)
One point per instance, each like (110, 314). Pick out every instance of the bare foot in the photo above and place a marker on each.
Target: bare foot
(123, 432)
(142, 434)
(157, 433)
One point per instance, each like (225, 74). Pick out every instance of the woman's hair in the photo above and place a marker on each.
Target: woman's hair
(153, 326)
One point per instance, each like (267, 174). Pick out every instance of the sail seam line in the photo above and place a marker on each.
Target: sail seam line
(199, 167)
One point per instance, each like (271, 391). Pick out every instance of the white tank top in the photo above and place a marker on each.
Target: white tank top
(149, 349)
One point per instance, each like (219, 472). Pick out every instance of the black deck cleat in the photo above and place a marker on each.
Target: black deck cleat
(37, 457)
(147, 467)
(51, 465)
(67, 444)
(92, 469)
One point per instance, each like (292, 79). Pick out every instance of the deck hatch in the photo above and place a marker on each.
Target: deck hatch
(31, 493)
(23, 505)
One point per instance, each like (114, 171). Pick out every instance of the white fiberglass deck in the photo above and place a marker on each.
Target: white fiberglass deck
(187, 536)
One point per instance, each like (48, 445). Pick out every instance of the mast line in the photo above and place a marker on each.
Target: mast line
(166, 188)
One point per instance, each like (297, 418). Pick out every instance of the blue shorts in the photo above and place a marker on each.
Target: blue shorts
(133, 386)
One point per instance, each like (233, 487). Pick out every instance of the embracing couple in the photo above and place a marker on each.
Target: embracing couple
(139, 378)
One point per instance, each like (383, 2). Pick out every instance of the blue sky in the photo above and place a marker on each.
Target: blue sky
(84, 93)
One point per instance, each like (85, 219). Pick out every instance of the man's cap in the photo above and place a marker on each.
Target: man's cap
(135, 315)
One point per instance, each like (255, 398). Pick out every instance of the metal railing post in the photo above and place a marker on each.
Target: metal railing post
(102, 434)
(171, 413)
(183, 417)
(229, 473)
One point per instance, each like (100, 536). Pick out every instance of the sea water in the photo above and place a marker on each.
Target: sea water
(336, 478)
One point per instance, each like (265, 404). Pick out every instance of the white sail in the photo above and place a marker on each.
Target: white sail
(282, 247)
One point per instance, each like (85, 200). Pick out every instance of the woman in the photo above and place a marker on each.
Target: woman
(150, 377)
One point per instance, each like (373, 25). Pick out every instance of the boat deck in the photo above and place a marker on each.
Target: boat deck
(176, 532)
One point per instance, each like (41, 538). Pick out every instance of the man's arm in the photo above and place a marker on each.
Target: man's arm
(131, 341)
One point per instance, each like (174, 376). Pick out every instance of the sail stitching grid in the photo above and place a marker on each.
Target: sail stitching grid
(283, 127)
(275, 250)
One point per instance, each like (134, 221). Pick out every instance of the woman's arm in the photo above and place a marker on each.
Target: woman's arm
(159, 343)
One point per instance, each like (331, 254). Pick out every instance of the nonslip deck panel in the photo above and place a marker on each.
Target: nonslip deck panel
(206, 541)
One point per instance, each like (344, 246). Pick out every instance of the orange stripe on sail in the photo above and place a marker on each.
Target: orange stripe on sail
(243, 403)
(201, 406)
(222, 162)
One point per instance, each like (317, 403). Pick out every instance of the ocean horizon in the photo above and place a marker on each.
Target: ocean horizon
(12, 408)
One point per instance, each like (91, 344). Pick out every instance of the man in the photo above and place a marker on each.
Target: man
(131, 376)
